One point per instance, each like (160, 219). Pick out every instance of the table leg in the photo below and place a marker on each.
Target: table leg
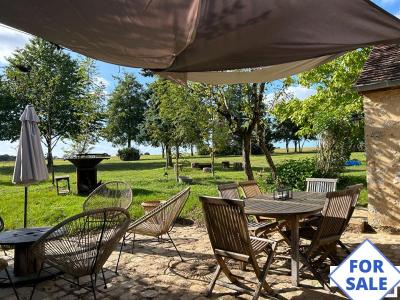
(24, 261)
(295, 250)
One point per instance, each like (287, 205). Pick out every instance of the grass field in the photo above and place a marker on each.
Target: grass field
(148, 182)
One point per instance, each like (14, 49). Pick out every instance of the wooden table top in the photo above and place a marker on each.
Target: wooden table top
(22, 235)
(302, 204)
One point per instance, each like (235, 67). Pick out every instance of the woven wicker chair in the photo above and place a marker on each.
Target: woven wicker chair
(227, 229)
(230, 191)
(109, 194)
(321, 185)
(158, 222)
(333, 221)
(3, 266)
(81, 245)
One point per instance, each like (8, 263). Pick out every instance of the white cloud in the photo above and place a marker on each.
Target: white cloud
(10, 40)
(398, 14)
(301, 92)
(101, 81)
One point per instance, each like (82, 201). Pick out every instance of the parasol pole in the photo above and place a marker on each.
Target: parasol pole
(25, 205)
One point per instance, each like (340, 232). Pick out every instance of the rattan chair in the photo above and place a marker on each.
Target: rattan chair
(333, 221)
(81, 245)
(4, 247)
(109, 194)
(230, 191)
(321, 185)
(3, 267)
(230, 240)
(158, 222)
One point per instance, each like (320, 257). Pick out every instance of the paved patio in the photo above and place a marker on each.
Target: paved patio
(154, 271)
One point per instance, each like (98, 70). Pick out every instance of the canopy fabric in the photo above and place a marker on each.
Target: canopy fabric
(265, 74)
(30, 165)
(186, 37)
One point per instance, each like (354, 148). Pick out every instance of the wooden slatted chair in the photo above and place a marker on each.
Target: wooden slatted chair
(230, 191)
(250, 188)
(110, 194)
(159, 221)
(357, 189)
(81, 245)
(333, 221)
(321, 185)
(230, 240)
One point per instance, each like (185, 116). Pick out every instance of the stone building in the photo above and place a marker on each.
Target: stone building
(379, 83)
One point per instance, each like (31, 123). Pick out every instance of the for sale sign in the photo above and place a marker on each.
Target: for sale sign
(366, 274)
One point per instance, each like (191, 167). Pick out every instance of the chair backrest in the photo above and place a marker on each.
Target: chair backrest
(160, 220)
(250, 188)
(357, 188)
(321, 185)
(228, 191)
(227, 227)
(81, 244)
(334, 217)
(109, 194)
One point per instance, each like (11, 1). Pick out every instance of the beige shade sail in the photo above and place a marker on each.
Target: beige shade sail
(187, 37)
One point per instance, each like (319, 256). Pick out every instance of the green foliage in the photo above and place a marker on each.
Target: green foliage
(176, 115)
(329, 113)
(56, 85)
(125, 111)
(129, 154)
(293, 173)
(92, 114)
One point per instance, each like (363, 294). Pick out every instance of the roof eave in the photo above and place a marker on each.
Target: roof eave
(382, 85)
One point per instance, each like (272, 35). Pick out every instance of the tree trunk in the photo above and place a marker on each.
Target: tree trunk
(168, 155)
(246, 144)
(262, 144)
(162, 151)
(287, 146)
(129, 143)
(177, 163)
(50, 165)
(191, 150)
(295, 146)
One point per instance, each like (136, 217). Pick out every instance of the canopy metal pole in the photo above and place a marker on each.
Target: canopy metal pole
(25, 205)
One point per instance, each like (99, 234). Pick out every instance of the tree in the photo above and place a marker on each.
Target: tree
(92, 112)
(54, 84)
(328, 113)
(244, 109)
(125, 111)
(175, 117)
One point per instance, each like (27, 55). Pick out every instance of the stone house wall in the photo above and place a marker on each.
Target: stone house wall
(382, 136)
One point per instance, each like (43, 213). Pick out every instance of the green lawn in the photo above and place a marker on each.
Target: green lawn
(148, 183)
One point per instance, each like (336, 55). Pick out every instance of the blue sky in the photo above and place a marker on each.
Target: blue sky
(11, 40)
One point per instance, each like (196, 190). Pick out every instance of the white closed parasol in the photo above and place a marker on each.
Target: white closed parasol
(30, 166)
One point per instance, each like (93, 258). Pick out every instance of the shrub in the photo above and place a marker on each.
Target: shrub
(293, 173)
(128, 154)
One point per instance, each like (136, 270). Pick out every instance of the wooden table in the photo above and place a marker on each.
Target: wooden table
(22, 239)
(293, 210)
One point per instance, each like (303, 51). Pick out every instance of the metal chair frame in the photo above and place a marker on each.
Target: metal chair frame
(157, 222)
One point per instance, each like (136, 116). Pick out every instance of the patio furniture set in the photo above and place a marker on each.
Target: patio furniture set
(80, 245)
(239, 230)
